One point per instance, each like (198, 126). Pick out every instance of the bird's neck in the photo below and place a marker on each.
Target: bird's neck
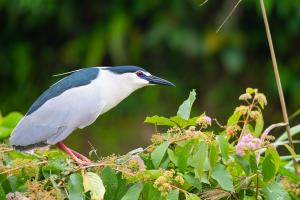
(112, 89)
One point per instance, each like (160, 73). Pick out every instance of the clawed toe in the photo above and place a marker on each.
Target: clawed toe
(77, 157)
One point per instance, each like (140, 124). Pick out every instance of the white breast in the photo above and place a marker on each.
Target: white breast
(113, 88)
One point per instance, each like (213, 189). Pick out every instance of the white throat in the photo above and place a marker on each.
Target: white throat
(113, 88)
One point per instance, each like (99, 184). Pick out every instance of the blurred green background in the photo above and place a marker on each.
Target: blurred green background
(176, 40)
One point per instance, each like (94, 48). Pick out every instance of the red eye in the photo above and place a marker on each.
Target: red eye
(139, 73)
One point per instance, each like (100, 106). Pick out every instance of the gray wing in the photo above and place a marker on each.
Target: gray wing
(58, 116)
(78, 78)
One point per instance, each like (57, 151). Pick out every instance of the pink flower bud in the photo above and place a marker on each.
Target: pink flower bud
(248, 142)
(207, 119)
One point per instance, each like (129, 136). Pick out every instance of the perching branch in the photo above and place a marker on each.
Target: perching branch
(279, 87)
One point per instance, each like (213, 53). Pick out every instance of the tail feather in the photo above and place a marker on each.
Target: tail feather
(29, 147)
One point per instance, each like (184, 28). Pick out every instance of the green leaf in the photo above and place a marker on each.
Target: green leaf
(165, 163)
(193, 181)
(182, 123)
(291, 150)
(161, 121)
(158, 154)
(57, 162)
(247, 162)
(75, 187)
(288, 173)
(184, 109)
(268, 167)
(250, 90)
(204, 179)
(18, 155)
(198, 159)
(134, 192)
(223, 177)
(92, 182)
(244, 163)
(110, 182)
(191, 196)
(233, 119)
(213, 154)
(294, 131)
(173, 157)
(173, 195)
(150, 193)
(14, 183)
(275, 156)
(224, 146)
(122, 187)
(4, 132)
(2, 193)
(275, 191)
(11, 120)
(183, 153)
(8, 123)
(295, 114)
(153, 173)
(173, 121)
(253, 163)
(259, 126)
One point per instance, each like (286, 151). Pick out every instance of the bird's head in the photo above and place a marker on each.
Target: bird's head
(138, 77)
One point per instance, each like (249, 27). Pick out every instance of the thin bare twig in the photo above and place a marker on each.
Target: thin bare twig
(23, 166)
(204, 2)
(6, 151)
(277, 76)
(256, 190)
(247, 118)
(270, 128)
(229, 15)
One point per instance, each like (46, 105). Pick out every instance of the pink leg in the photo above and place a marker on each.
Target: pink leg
(77, 157)
(82, 157)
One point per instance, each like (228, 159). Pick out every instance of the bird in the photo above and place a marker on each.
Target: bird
(76, 101)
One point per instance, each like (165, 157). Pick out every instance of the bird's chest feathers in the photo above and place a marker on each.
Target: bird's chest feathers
(111, 91)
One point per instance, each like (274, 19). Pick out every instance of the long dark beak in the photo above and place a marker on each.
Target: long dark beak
(158, 81)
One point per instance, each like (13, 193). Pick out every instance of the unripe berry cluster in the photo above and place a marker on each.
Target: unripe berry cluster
(167, 181)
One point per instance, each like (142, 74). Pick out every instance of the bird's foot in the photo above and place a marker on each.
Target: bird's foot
(81, 162)
(77, 157)
(81, 157)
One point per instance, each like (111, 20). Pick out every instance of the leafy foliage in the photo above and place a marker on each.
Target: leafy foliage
(8, 123)
(194, 159)
(176, 40)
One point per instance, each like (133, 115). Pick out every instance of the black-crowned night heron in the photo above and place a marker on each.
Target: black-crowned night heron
(75, 102)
